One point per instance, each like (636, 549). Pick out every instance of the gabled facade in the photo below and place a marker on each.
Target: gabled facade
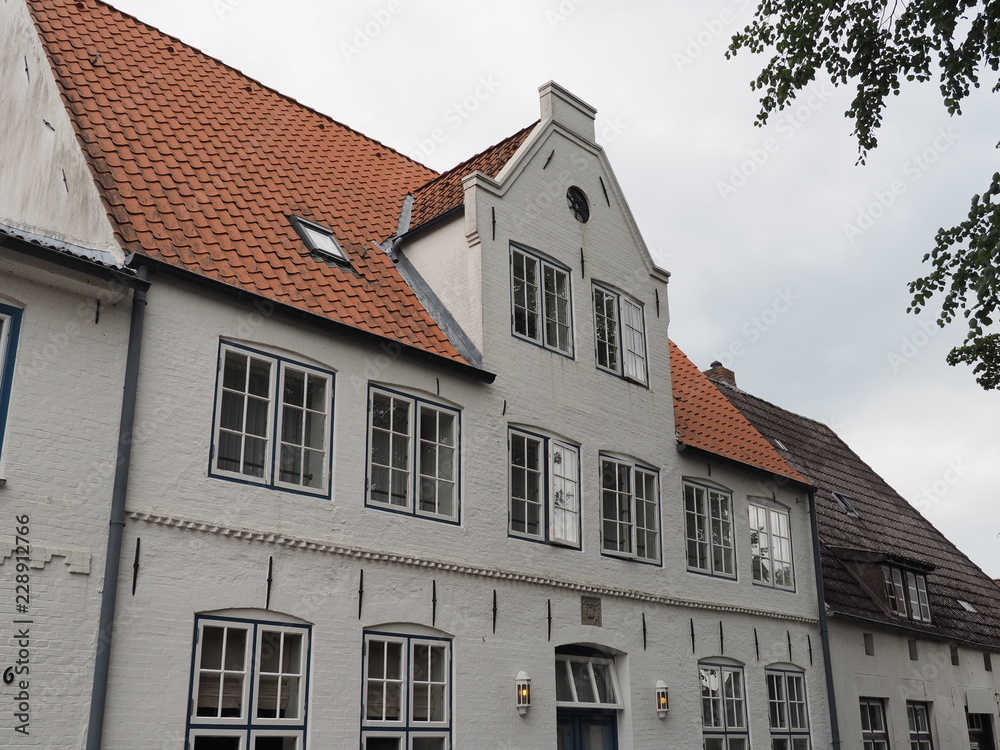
(914, 625)
(430, 474)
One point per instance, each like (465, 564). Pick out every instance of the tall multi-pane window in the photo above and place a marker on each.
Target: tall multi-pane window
(272, 421)
(413, 455)
(708, 521)
(906, 593)
(10, 328)
(874, 732)
(918, 720)
(541, 309)
(723, 708)
(620, 334)
(787, 712)
(630, 510)
(249, 685)
(406, 703)
(544, 485)
(770, 546)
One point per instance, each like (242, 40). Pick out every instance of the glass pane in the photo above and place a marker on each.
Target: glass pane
(216, 743)
(394, 661)
(208, 694)
(270, 651)
(236, 646)
(381, 415)
(270, 742)
(234, 374)
(256, 417)
(316, 394)
(267, 697)
(295, 387)
(383, 743)
(211, 647)
(581, 679)
(605, 686)
(231, 414)
(260, 378)
(232, 695)
(315, 432)
(428, 743)
(563, 690)
(291, 424)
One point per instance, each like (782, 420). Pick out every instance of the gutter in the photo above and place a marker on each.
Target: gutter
(824, 630)
(112, 562)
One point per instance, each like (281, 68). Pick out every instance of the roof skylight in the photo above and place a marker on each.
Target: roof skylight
(844, 501)
(319, 239)
(966, 606)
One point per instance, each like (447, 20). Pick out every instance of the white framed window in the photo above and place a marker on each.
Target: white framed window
(787, 710)
(630, 510)
(708, 520)
(586, 682)
(874, 732)
(620, 333)
(413, 460)
(541, 305)
(10, 330)
(723, 707)
(406, 704)
(919, 723)
(544, 482)
(272, 421)
(249, 685)
(771, 546)
(906, 593)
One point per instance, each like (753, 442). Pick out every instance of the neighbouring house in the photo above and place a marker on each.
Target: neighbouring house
(914, 625)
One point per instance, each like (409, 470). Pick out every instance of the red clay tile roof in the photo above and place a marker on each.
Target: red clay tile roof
(200, 167)
(705, 419)
(445, 191)
(886, 525)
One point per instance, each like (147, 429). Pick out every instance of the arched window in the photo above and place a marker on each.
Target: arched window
(788, 714)
(723, 705)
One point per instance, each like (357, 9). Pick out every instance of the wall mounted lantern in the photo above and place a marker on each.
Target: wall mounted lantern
(662, 699)
(523, 700)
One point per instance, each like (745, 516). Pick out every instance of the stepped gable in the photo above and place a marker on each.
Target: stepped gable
(444, 192)
(200, 167)
(704, 419)
(886, 525)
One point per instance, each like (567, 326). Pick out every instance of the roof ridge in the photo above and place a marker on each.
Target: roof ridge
(739, 390)
(250, 78)
(499, 144)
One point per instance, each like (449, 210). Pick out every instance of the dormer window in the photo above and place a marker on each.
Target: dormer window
(906, 593)
(319, 240)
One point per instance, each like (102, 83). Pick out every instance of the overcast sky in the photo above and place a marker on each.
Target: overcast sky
(789, 262)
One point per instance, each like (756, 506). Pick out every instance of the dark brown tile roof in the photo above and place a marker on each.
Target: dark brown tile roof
(704, 419)
(444, 192)
(200, 167)
(886, 525)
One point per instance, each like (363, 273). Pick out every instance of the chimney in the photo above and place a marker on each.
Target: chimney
(719, 374)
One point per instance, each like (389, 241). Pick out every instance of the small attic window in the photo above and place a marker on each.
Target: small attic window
(319, 239)
(966, 606)
(778, 444)
(578, 204)
(846, 504)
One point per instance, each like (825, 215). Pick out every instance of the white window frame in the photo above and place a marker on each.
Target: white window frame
(723, 717)
(772, 547)
(540, 306)
(417, 475)
(918, 720)
(407, 727)
(274, 423)
(553, 488)
(788, 715)
(624, 345)
(906, 593)
(565, 662)
(874, 734)
(248, 725)
(630, 536)
(700, 523)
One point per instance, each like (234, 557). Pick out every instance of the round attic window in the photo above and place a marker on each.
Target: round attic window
(578, 204)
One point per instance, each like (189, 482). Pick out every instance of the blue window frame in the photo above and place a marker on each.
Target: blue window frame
(273, 421)
(406, 692)
(544, 488)
(414, 457)
(249, 685)
(10, 332)
(541, 301)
